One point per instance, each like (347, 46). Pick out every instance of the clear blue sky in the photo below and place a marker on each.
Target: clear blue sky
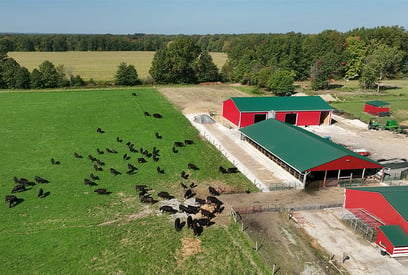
(198, 16)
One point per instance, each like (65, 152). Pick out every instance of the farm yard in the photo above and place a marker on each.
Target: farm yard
(73, 229)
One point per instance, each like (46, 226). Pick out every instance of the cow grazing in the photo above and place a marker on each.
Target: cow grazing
(168, 209)
(89, 182)
(132, 149)
(114, 172)
(189, 222)
(223, 170)
(21, 180)
(165, 195)
(155, 158)
(178, 225)
(157, 115)
(189, 194)
(205, 222)
(77, 156)
(126, 157)
(159, 170)
(192, 167)
(54, 162)
(19, 188)
(140, 187)
(184, 175)
(102, 191)
(40, 193)
(189, 209)
(183, 185)
(118, 139)
(157, 135)
(147, 199)
(97, 168)
(134, 94)
(100, 163)
(232, 170)
(213, 191)
(100, 131)
(12, 200)
(91, 158)
(99, 151)
(39, 179)
(93, 177)
(141, 160)
(178, 144)
(188, 142)
(200, 201)
(197, 229)
(146, 114)
(174, 149)
(193, 185)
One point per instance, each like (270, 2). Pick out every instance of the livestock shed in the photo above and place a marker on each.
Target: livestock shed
(308, 157)
(386, 210)
(296, 110)
(377, 108)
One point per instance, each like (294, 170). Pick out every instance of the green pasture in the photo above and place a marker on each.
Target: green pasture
(73, 230)
(100, 66)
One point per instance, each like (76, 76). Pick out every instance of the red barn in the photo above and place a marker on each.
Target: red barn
(296, 110)
(377, 108)
(388, 207)
(308, 157)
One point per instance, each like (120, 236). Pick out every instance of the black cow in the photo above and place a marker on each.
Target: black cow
(96, 168)
(232, 170)
(118, 139)
(140, 187)
(91, 158)
(39, 179)
(155, 158)
(178, 144)
(192, 167)
(159, 170)
(102, 191)
(126, 157)
(207, 213)
(174, 149)
(197, 229)
(76, 155)
(158, 136)
(99, 130)
(19, 188)
(184, 186)
(205, 222)
(178, 225)
(193, 185)
(147, 199)
(157, 115)
(40, 193)
(184, 175)
(100, 163)
(168, 209)
(54, 162)
(21, 180)
(134, 94)
(189, 222)
(200, 201)
(99, 151)
(188, 141)
(215, 201)
(146, 114)
(93, 177)
(165, 195)
(189, 194)
(114, 172)
(89, 182)
(12, 200)
(223, 170)
(141, 160)
(213, 191)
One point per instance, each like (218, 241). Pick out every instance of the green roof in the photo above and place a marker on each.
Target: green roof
(395, 234)
(299, 148)
(281, 103)
(377, 103)
(397, 196)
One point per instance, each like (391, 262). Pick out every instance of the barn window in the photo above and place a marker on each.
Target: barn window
(259, 117)
(291, 118)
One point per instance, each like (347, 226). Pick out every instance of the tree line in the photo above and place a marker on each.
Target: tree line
(271, 61)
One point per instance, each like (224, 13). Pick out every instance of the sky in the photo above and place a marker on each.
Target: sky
(198, 16)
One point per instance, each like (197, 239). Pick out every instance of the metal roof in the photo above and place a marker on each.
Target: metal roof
(395, 234)
(377, 103)
(299, 148)
(281, 103)
(395, 195)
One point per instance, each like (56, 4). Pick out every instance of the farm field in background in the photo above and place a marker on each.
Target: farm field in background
(75, 230)
(100, 66)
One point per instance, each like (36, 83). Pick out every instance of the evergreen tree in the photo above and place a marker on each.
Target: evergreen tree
(22, 78)
(205, 68)
(49, 75)
(126, 75)
(36, 79)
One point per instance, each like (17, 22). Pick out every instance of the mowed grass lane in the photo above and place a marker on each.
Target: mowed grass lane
(100, 66)
(73, 229)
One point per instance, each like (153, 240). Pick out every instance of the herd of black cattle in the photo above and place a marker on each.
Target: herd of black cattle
(205, 209)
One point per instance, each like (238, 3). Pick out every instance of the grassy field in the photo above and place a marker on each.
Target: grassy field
(352, 99)
(73, 230)
(100, 66)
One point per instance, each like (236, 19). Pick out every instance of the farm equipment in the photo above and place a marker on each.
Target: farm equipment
(373, 125)
(392, 125)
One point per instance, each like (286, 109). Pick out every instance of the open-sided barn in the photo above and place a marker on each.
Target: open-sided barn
(296, 110)
(387, 207)
(377, 108)
(308, 157)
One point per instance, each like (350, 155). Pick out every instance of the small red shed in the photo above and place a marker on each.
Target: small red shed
(388, 206)
(377, 108)
(296, 110)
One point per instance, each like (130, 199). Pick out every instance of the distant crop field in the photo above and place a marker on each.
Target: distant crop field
(73, 230)
(100, 66)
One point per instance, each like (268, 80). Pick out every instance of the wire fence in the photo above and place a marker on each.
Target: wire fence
(252, 209)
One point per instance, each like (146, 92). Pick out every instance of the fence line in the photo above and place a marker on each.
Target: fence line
(280, 208)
